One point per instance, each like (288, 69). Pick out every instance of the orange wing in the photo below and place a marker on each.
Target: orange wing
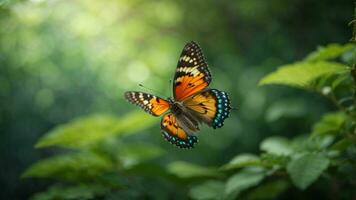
(192, 73)
(203, 105)
(211, 106)
(174, 134)
(151, 104)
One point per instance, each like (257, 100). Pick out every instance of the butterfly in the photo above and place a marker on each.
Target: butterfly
(193, 102)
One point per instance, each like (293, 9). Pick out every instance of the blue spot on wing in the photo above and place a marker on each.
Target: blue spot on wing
(188, 143)
(222, 108)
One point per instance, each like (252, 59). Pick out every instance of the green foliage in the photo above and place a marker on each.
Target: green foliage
(305, 169)
(303, 159)
(268, 191)
(85, 131)
(65, 61)
(316, 65)
(133, 154)
(243, 180)
(188, 170)
(331, 123)
(104, 154)
(286, 108)
(73, 192)
(208, 190)
(310, 157)
(328, 52)
(242, 160)
(276, 145)
(343, 144)
(302, 74)
(73, 166)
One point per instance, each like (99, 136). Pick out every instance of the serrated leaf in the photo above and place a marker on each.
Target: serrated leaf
(188, 170)
(243, 180)
(85, 131)
(330, 124)
(330, 51)
(242, 160)
(307, 168)
(208, 190)
(276, 145)
(302, 74)
(69, 167)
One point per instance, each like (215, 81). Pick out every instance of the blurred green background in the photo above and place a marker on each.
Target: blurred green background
(60, 60)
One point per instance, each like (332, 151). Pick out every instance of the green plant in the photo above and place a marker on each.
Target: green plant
(100, 164)
(326, 154)
(99, 157)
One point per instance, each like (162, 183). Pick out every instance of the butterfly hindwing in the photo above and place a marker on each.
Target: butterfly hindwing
(211, 106)
(174, 134)
(153, 105)
(192, 73)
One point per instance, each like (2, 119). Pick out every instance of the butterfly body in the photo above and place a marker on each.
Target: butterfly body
(192, 104)
(185, 118)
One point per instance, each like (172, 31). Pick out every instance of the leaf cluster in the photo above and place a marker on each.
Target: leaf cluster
(98, 162)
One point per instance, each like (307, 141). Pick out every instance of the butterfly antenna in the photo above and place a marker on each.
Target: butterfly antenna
(152, 90)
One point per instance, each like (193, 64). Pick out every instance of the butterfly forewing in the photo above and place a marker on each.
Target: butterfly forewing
(153, 105)
(174, 134)
(192, 73)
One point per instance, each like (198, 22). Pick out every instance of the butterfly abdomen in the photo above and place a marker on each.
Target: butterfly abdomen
(222, 108)
(185, 119)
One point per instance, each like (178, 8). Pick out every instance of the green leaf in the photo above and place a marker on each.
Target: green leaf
(286, 108)
(342, 144)
(70, 166)
(330, 124)
(329, 52)
(243, 180)
(153, 170)
(86, 131)
(269, 190)
(306, 169)
(277, 145)
(274, 161)
(305, 143)
(187, 170)
(208, 190)
(336, 82)
(71, 192)
(133, 154)
(302, 74)
(242, 160)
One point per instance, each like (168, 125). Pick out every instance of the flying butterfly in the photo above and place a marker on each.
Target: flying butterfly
(192, 103)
